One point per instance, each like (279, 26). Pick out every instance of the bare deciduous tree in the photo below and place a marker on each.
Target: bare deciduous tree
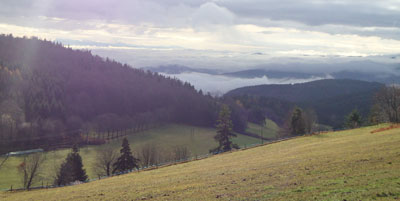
(105, 158)
(148, 155)
(310, 119)
(30, 169)
(181, 153)
(388, 99)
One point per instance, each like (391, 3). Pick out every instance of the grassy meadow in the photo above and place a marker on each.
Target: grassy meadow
(270, 131)
(198, 140)
(347, 165)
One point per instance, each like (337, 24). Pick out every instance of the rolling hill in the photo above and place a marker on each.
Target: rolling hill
(347, 165)
(48, 92)
(310, 91)
(331, 99)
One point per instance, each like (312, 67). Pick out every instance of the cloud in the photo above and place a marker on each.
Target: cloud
(205, 33)
(210, 13)
(320, 12)
(218, 84)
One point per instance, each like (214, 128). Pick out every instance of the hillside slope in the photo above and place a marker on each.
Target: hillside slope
(331, 99)
(310, 91)
(48, 92)
(348, 165)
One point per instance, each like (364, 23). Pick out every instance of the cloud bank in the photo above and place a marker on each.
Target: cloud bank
(204, 32)
(219, 84)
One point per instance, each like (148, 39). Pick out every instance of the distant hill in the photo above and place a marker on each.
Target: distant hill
(357, 70)
(178, 69)
(310, 91)
(332, 99)
(253, 73)
(381, 77)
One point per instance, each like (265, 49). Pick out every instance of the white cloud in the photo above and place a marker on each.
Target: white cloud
(219, 84)
(211, 13)
(219, 33)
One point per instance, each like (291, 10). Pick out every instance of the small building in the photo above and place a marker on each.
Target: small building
(18, 153)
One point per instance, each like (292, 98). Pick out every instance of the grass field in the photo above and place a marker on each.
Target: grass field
(270, 131)
(198, 140)
(347, 165)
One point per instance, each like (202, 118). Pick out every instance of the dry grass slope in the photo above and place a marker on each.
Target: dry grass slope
(347, 165)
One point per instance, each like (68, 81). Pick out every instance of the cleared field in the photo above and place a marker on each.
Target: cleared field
(199, 141)
(347, 165)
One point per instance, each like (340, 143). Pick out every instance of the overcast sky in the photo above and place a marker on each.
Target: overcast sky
(212, 34)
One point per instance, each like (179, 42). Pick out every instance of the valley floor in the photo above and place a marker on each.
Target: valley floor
(348, 165)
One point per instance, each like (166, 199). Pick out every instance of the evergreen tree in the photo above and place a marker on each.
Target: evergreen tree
(126, 161)
(72, 169)
(353, 120)
(297, 122)
(224, 131)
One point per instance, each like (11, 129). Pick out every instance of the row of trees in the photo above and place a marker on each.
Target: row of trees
(386, 108)
(106, 163)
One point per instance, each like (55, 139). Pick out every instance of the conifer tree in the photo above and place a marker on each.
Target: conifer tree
(126, 161)
(353, 120)
(224, 131)
(72, 169)
(297, 122)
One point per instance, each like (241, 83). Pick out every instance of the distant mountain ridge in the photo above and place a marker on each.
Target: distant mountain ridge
(177, 69)
(356, 70)
(253, 73)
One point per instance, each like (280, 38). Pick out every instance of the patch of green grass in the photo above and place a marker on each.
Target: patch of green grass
(346, 165)
(270, 131)
(198, 140)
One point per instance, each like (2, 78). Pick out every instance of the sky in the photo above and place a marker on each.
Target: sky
(219, 34)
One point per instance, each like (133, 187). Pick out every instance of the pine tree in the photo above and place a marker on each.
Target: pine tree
(297, 123)
(79, 174)
(224, 131)
(353, 120)
(126, 161)
(72, 169)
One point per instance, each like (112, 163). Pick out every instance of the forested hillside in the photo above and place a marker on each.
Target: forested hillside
(331, 99)
(310, 91)
(48, 92)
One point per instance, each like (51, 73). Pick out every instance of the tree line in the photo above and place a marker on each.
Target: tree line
(385, 108)
(109, 162)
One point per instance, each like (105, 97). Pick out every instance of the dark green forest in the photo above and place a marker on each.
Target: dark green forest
(331, 99)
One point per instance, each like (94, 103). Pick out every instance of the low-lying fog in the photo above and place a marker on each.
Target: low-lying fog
(220, 84)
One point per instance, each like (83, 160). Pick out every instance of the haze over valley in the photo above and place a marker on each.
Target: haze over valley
(199, 100)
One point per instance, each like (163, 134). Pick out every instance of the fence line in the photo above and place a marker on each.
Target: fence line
(170, 163)
(160, 165)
